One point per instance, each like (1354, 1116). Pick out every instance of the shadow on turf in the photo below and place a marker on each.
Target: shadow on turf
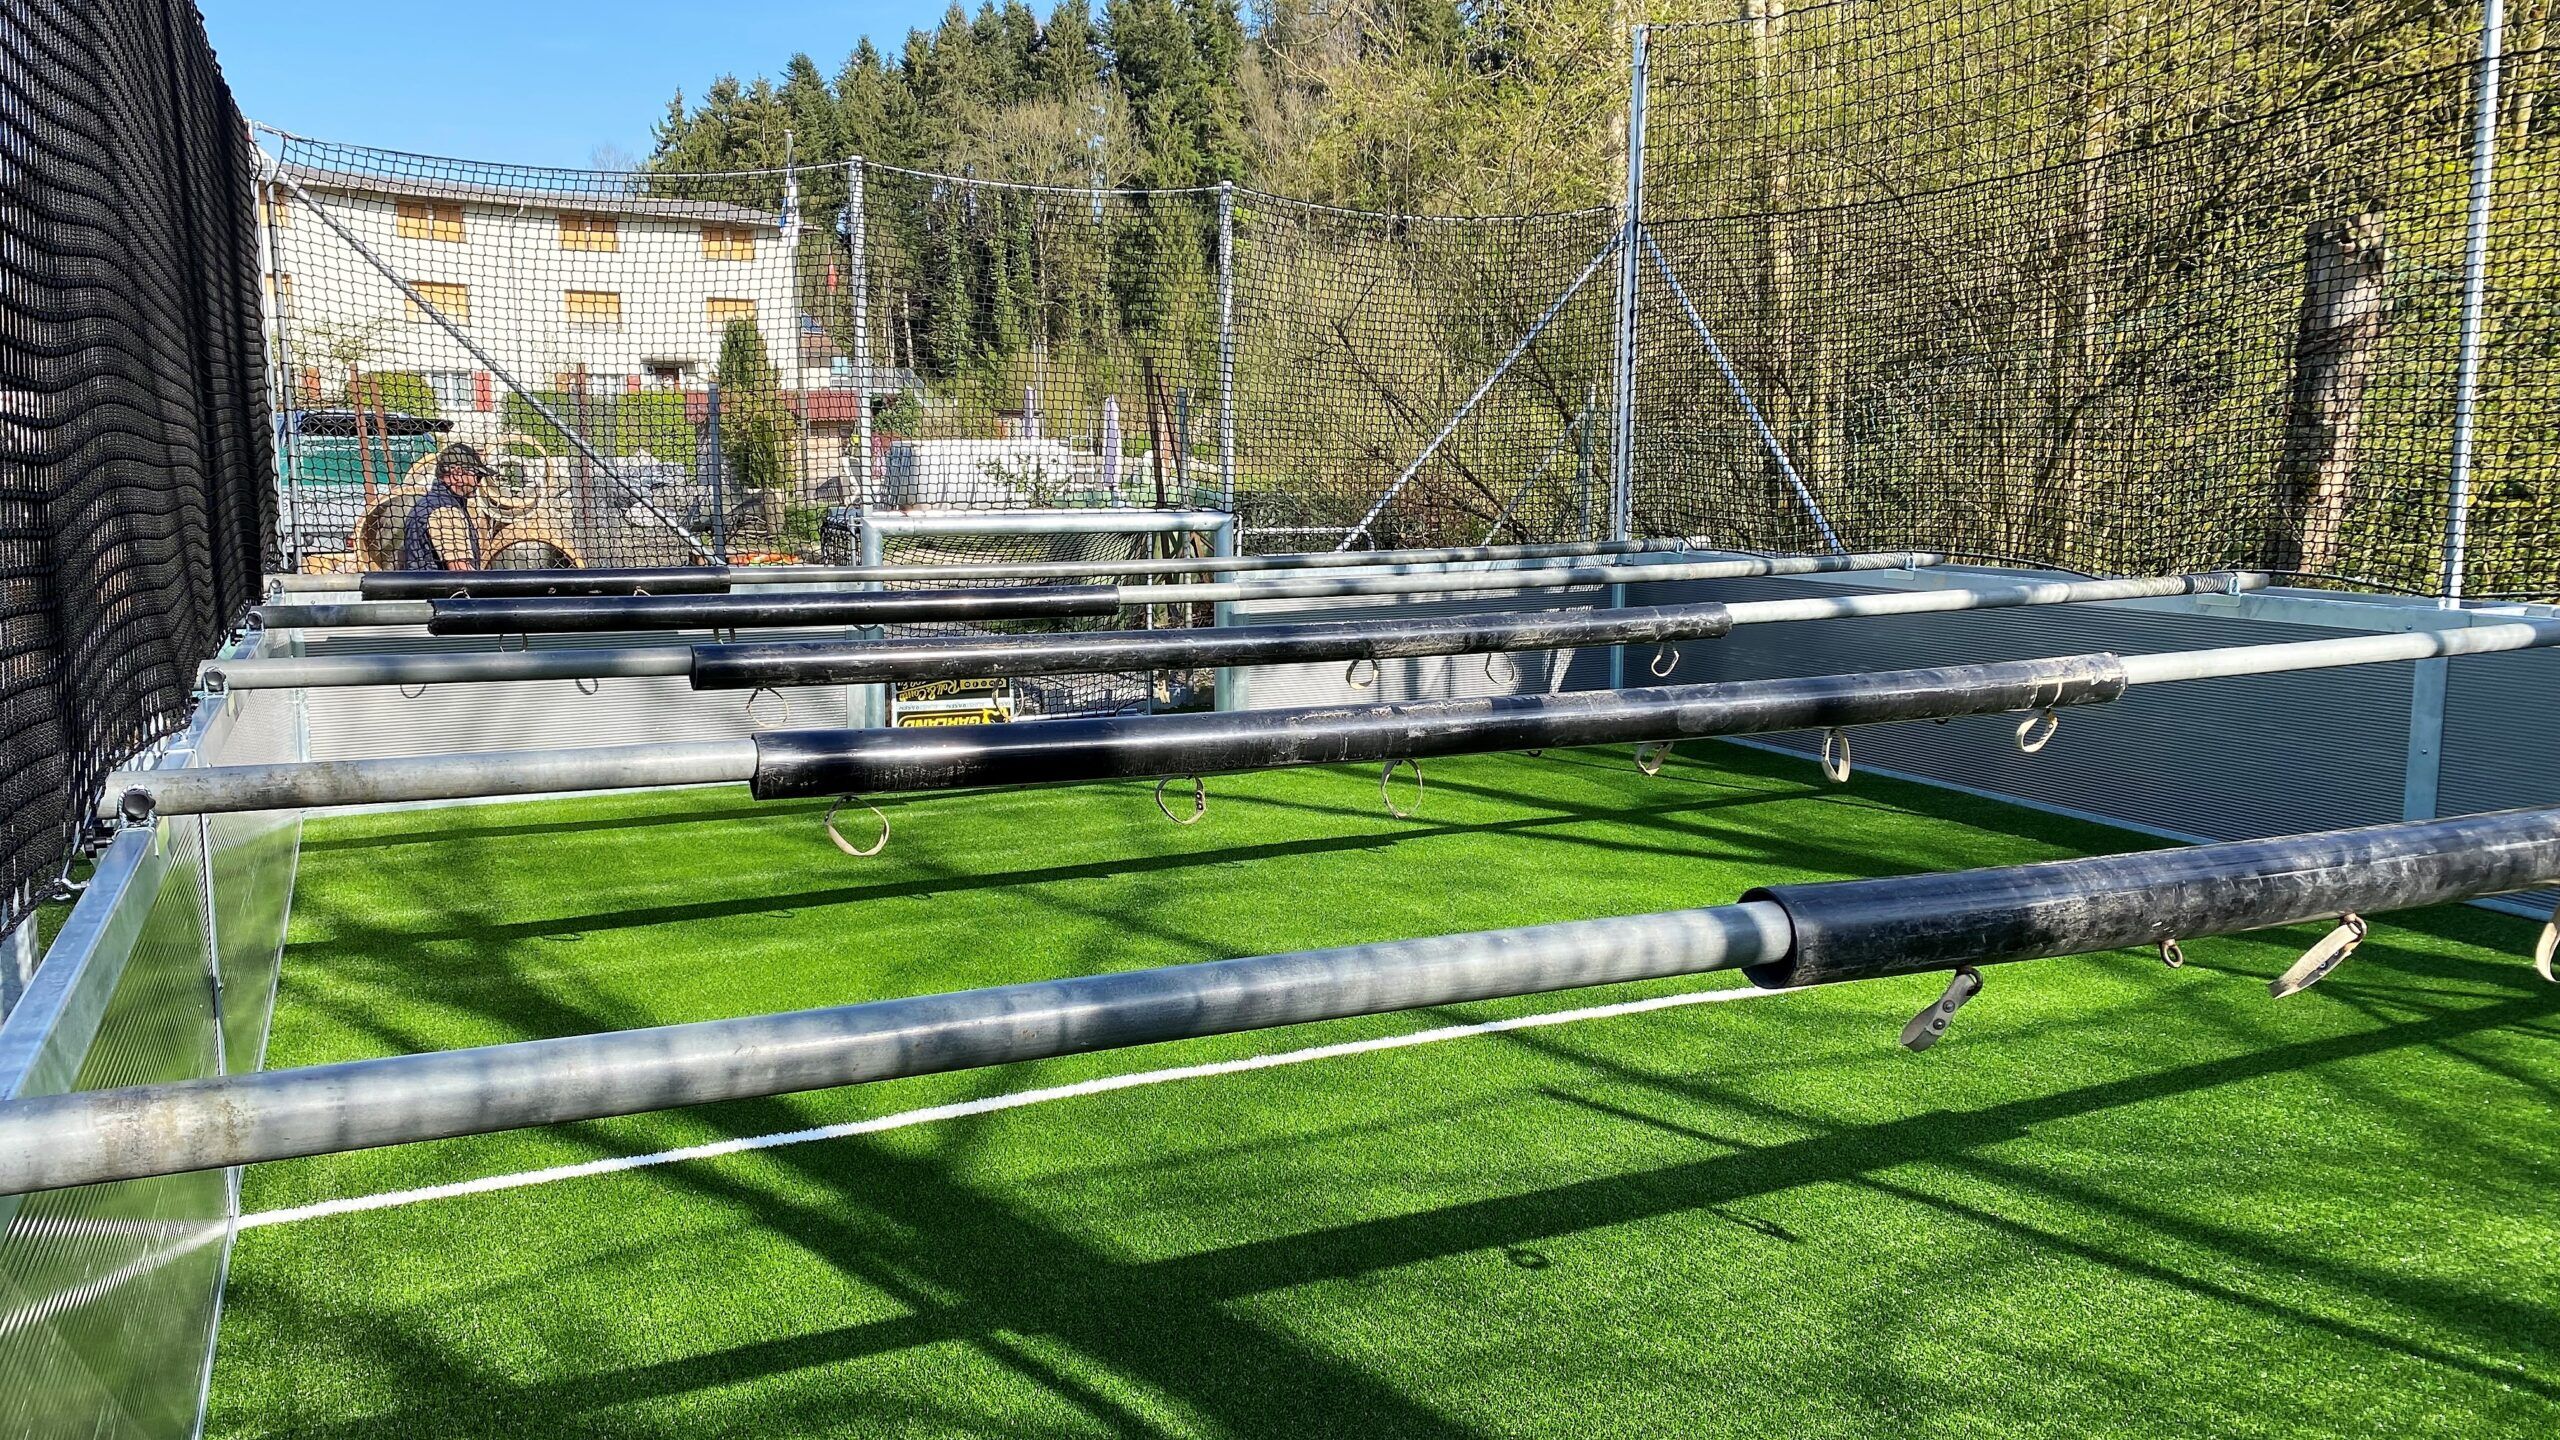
(2492, 1319)
(973, 1268)
(1797, 855)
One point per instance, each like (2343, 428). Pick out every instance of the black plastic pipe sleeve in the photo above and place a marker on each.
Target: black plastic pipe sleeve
(840, 762)
(947, 657)
(568, 613)
(508, 584)
(1861, 929)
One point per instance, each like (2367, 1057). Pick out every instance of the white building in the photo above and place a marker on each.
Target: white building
(622, 292)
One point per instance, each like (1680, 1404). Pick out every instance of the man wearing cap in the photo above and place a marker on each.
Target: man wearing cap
(440, 534)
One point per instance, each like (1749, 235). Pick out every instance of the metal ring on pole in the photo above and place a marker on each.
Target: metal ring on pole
(1199, 800)
(1387, 795)
(589, 685)
(2323, 957)
(1650, 755)
(1835, 755)
(847, 846)
(1666, 658)
(1351, 673)
(2170, 953)
(1508, 664)
(412, 692)
(753, 723)
(527, 638)
(2036, 731)
(2545, 948)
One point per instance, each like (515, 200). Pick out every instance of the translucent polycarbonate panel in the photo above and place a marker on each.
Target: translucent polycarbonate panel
(108, 1292)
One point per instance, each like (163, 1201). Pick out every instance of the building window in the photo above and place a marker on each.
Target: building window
(454, 390)
(451, 301)
(593, 309)
(724, 312)
(589, 232)
(666, 377)
(728, 242)
(421, 220)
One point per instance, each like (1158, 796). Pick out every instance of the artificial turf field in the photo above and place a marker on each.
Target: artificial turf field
(2119, 1200)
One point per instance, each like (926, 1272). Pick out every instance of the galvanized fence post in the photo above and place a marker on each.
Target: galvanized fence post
(1226, 346)
(2475, 292)
(856, 247)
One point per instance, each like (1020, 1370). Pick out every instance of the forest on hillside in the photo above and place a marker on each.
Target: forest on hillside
(2115, 284)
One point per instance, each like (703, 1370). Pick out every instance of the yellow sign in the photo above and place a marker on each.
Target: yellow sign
(950, 689)
(915, 720)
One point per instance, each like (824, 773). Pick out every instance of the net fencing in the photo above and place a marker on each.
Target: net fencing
(2115, 287)
(2084, 283)
(666, 368)
(137, 504)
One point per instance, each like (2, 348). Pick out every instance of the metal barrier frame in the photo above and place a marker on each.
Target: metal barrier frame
(112, 1244)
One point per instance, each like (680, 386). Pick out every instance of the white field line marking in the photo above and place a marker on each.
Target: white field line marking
(1103, 1085)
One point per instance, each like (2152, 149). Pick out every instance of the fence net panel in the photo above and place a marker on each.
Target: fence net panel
(1359, 337)
(2078, 282)
(137, 504)
(882, 336)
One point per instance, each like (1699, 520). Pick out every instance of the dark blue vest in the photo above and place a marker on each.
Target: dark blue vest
(417, 542)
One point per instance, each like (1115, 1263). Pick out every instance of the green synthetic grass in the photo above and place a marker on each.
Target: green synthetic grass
(2119, 1200)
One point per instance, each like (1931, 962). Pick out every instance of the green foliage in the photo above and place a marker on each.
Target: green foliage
(401, 392)
(755, 424)
(644, 422)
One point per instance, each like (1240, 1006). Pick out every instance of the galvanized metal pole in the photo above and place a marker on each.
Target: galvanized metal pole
(782, 764)
(756, 664)
(1227, 345)
(95, 1135)
(1622, 431)
(1813, 934)
(1224, 645)
(1630, 273)
(857, 242)
(2475, 298)
(662, 580)
(560, 614)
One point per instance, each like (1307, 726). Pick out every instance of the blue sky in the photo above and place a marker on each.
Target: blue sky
(537, 82)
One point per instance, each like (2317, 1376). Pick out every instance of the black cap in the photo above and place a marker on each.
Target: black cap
(465, 458)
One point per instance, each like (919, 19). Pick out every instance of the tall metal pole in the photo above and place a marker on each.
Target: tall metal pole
(2475, 295)
(1227, 346)
(856, 241)
(1630, 271)
(1622, 434)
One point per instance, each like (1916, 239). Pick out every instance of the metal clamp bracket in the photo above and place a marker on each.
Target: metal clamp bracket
(1650, 754)
(2316, 962)
(1930, 1026)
